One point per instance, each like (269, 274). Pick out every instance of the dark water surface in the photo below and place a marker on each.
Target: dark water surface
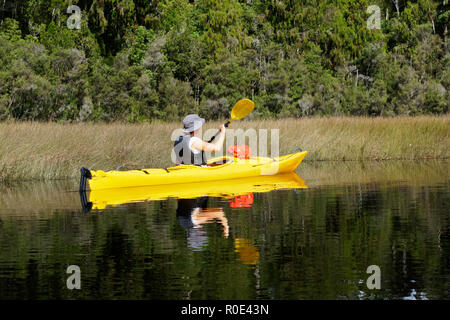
(313, 243)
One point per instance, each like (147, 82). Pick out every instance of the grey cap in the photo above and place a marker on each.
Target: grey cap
(192, 122)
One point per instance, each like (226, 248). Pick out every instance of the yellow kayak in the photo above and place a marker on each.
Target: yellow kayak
(228, 189)
(223, 168)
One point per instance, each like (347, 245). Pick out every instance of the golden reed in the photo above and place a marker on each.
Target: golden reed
(33, 150)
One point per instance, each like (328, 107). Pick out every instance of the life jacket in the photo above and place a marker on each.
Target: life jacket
(241, 152)
(242, 201)
(185, 155)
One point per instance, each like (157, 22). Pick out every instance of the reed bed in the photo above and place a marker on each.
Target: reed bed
(32, 150)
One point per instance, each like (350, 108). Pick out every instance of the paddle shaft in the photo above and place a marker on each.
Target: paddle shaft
(218, 132)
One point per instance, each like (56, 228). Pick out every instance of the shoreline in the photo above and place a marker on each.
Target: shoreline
(316, 174)
(50, 151)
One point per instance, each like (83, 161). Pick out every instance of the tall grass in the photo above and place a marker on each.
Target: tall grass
(363, 138)
(57, 151)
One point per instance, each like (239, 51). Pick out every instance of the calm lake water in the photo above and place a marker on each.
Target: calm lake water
(310, 243)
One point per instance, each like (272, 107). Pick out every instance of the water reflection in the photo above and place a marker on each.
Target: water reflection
(192, 214)
(315, 243)
(101, 199)
(248, 253)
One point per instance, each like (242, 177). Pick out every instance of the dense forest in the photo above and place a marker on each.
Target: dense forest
(140, 60)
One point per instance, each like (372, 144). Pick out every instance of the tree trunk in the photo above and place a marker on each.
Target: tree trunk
(397, 7)
(445, 39)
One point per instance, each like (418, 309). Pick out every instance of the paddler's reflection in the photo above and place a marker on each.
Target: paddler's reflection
(192, 214)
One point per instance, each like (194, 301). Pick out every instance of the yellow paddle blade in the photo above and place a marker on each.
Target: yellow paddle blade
(242, 109)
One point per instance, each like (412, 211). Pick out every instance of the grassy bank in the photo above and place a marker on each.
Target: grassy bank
(57, 151)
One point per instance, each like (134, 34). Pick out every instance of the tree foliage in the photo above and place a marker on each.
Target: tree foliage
(138, 60)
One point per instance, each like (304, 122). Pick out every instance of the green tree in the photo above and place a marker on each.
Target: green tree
(9, 29)
(220, 23)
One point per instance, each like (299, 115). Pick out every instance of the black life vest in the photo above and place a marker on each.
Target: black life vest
(185, 155)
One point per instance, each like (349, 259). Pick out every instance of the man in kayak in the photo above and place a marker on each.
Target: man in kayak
(190, 149)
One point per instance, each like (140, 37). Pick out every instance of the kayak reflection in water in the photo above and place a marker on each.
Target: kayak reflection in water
(190, 149)
(192, 214)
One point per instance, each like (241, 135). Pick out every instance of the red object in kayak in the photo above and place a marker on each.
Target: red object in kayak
(241, 152)
(243, 201)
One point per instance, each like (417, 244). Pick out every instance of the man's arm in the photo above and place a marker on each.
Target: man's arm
(211, 147)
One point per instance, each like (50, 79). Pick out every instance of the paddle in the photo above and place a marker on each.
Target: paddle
(240, 110)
